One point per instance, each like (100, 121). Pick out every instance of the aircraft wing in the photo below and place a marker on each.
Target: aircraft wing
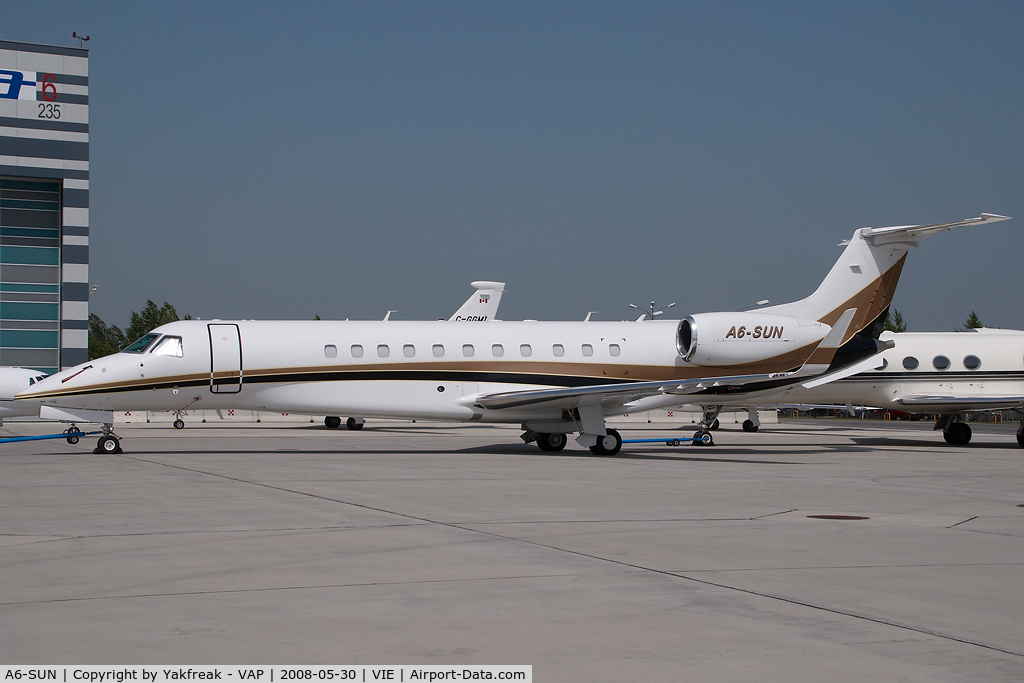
(620, 394)
(960, 403)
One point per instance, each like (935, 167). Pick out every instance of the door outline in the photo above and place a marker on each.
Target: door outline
(226, 382)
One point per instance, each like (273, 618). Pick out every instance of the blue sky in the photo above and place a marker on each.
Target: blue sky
(280, 160)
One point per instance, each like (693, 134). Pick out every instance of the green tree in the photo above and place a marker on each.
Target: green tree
(104, 340)
(972, 322)
(894, 321)
(151, 317)
(107, 339)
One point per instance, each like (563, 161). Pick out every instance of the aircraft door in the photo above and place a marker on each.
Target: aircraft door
(225, 359)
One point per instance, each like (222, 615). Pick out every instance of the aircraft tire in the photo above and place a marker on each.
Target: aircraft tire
(108, 445)
(1020, 439)
(551, 442)
(749, 426)
(332, 422)
(354, 425)
(715, 425)
(609, 445)
(179, 424)
(702, 437)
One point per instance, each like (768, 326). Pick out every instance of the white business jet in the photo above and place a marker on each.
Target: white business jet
(13, 380)
(948, 373)
(555, 378)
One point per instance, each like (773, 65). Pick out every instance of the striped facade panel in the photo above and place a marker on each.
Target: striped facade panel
(44, 205)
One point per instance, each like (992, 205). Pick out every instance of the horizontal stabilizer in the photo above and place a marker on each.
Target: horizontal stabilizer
(916, 233)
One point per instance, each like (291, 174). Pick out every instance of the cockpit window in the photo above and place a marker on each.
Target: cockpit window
(142, 344)
(168, 346)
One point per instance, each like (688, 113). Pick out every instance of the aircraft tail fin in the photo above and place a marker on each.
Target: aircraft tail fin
(483, 305)
(865, 276)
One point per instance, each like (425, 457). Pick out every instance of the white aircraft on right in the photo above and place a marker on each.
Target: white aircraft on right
(948, 373)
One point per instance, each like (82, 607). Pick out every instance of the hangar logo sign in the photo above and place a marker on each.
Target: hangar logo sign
(21, 85)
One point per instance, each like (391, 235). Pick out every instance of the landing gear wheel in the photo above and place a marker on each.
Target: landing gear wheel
(957, 434)
(715, 425)
(179, 424)
(108, 445)
(551, 442)
(749, 426)
(702, 437)
(610, 444)
(354, 424)
(1020, 439)
(332, 422)
(73, 433)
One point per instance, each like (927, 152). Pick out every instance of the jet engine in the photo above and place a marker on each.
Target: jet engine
(721, 339)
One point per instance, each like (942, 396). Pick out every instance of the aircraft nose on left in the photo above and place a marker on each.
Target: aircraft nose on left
(63, 382)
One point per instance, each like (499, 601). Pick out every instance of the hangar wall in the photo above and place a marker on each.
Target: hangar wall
(44, 205)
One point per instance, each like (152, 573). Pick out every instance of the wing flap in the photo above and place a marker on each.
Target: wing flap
(961, 402)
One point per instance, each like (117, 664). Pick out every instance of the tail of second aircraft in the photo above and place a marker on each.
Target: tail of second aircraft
(866, 274)
(483, 305)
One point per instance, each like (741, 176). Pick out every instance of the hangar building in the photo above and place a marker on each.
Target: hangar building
(44, 205)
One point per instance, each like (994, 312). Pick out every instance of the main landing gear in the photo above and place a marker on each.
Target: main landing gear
(955, 432)
(708, 422)
(1020, 434)
(108, 444)
(610, 444)
(552, 442)
(353, 423)
(752, 422)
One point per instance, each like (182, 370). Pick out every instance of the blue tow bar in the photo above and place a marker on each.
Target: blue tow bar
(667, 442)
(63, 435)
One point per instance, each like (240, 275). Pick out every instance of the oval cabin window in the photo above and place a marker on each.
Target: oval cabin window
(409, 351)
(613, 349)
(558, 350)
(941, 363)
(972, 362)
(438, 351)
(525, 350)
(383, 351)
(467, 350)
(588, 350)
(497, 350)
(331, 351)
(910, 363)
(357, 351)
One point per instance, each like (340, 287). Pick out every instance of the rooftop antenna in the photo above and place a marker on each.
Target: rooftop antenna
(650, 312)
(81, 39)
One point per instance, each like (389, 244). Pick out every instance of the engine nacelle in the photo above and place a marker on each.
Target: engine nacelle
(719, 339)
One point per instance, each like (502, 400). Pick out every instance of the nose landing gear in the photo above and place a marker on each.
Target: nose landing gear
(108, 444)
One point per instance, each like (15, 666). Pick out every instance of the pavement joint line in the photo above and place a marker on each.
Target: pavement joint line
(969, 519)
(769, 596)
(327, 586)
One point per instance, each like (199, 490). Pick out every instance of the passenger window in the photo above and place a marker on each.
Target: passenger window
(357, 351)
(613, 349)
(438, 351)
(168, 346)
(331, 351)
(941, 363)
(558, 350)
(383, 351)
(588, 350)
(525, 350)
(497, 350)
(972, 362)
(910, 363)
(467, 350)
(142, 344)
(409, 351)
